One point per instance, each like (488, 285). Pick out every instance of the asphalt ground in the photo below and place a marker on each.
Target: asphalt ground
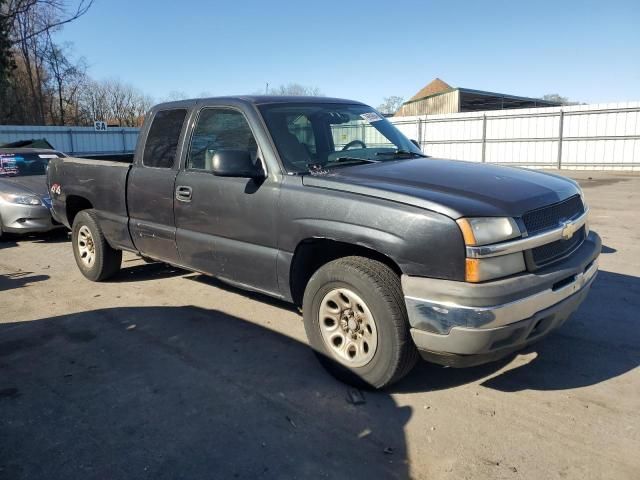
(162, 373)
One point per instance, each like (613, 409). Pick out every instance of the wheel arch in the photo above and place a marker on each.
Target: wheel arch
(74, 205)
(312, 253)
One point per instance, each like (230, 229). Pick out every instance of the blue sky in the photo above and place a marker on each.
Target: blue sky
(588, 51)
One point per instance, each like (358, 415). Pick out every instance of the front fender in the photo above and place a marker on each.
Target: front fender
(420, 242)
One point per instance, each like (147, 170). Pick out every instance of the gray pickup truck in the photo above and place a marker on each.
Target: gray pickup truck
(322, 202)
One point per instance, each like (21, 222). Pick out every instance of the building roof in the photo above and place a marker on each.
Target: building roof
(436, 86)
(479, 99)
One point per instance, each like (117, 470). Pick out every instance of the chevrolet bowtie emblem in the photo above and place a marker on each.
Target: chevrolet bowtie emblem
(568, 229)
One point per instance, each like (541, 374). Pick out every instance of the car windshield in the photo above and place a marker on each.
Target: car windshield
(25, 164)
(318, 136)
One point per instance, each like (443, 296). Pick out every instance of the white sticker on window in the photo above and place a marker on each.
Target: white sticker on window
(48, 155)
(8, 165)
(370, 117)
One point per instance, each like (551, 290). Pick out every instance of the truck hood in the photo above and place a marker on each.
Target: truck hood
(451, 187)
(26, 185)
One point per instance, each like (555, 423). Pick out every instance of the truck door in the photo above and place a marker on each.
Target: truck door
(150, 188)
(226, 226)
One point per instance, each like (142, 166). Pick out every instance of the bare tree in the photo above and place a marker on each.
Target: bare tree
(31, 50)
(175, 95)
(58, 14)
(93, 102)
(554, 97)
(391, 105)
(294, 89)
(114, 102)
(36, 88)
(66, 78)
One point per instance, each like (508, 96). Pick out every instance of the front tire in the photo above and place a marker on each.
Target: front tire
(94, 256)
(356, 322)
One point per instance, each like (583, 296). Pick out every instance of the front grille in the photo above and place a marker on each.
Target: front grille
(550, 217)
(553, 251)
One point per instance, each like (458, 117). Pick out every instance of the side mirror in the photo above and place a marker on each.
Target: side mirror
(415, 142)
(236, 163)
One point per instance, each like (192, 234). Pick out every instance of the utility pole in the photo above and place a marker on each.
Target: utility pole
(267, 89)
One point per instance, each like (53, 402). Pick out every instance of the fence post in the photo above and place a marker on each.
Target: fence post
(73, 149)
(484, 137)
(124, 141)
(560, 133)
(420, 136)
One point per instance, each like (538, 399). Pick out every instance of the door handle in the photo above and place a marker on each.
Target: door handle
(183, 193)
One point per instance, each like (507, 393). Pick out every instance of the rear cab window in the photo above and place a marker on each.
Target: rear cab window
(162, 140)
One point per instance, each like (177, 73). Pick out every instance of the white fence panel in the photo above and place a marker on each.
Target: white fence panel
(76, 140)
(599, 136)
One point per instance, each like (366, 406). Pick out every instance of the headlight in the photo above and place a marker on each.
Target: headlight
(486, 230)
(23, 199)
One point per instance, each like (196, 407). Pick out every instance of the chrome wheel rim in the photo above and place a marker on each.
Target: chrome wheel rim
(86, 246)
(348, 328)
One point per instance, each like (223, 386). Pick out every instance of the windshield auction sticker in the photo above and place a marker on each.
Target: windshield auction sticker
(8, 165)
(371, 117)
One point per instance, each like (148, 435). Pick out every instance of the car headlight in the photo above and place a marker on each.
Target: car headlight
(32, 200)
(485, 231)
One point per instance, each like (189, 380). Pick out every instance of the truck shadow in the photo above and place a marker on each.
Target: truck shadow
(182, 392)
(145, 271)
(258, 297)
(600, 342)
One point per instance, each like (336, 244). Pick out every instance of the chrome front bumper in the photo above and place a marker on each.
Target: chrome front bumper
(486, 320)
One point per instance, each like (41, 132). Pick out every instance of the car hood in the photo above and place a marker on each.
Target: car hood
(451, 187)
(30, 184)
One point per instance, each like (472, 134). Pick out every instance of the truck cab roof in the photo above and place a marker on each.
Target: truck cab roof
(257, 100)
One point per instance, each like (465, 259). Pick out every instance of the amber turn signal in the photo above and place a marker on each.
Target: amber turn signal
(472, 270)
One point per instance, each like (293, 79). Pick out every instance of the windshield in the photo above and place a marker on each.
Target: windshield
(25, 164)
(322, 136)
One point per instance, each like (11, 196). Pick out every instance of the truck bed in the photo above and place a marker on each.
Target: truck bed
(103, 183)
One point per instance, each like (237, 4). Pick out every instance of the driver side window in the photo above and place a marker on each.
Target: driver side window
(219, 129)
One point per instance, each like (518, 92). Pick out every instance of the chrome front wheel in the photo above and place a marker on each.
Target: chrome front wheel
(348, 328)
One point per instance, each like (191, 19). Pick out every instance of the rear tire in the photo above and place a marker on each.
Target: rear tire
(94, 256)
(356, 322)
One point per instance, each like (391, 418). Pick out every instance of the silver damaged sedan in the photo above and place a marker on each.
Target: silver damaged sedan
(24, 199)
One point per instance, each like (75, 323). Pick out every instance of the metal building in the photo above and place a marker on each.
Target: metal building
(438, 97)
